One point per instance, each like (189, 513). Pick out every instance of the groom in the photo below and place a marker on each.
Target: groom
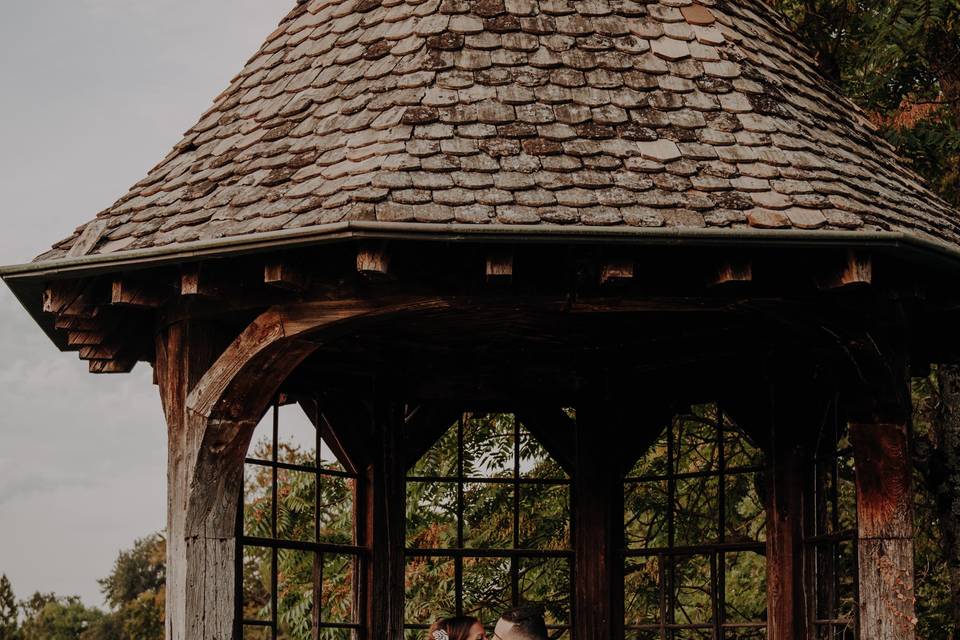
(525, 623)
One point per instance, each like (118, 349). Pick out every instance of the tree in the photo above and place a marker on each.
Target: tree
(49, 617)
(8, 611)
(136, 592)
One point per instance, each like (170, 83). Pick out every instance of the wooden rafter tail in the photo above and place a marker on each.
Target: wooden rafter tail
(141, 295)
(107, 351)
(120, 365)
(373, 261)
(500, 266)
(60, 295)
(286, 276)
(856, 269)
(195, 282)
(731, 272)
(76, 323)
(85, 338)
(617, 270)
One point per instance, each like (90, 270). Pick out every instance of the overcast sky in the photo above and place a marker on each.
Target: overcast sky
(92, 94)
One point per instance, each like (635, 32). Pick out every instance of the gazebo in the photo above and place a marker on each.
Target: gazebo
(590, 219)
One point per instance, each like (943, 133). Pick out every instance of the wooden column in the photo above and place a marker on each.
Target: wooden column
(385, 525)
(598, 526)
(184, 353)
(885, 531)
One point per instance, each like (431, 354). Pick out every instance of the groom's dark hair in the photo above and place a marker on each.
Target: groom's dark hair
(529, 622)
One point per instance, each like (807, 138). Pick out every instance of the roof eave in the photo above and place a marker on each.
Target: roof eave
(27, 280)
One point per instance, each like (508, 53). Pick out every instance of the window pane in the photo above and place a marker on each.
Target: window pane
(642, 591)
(546, 581)
(256, 633)
(746, 517)
(645, 514)
(544, 516)
(745, 633)
(258, 501)
(695, 442)
(693, 602)
(430, 589)
(738, 451)
(746, 587)
(441, 459)
(295, 580)
(696, 510)
(486, 588)
(431, 515)
(336, 596)
(654, 460)
(336, 510)
(488, 515)
(296, 493)
(488, 442)
(535, 462)
(256, 583)
(298, 437)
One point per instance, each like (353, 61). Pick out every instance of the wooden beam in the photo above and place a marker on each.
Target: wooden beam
(75, 323)
(195, 283)
(112, 366)
(286, 276)
(102, 351)
(345, 427)
(424, 426)
(85, 338)
(731, 271)
(887, 601)
(139, 295)
(500, 266)
(373, 260)
(617, 270)
(855, 269)
(555, 431)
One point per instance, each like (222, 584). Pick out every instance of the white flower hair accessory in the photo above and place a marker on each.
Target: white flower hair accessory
(440, 634)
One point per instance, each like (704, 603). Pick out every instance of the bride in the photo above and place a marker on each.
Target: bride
(460, 628)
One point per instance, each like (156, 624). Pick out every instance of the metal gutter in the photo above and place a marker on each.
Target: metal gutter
(28, 280)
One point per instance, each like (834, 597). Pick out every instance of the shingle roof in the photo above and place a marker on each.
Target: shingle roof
(574, 112)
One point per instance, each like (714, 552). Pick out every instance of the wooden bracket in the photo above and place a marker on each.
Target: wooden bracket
(731, 271)
(286, 276)
(373, 261)
(500, 266)
(140, 295)
(196, 283)
(856, 269)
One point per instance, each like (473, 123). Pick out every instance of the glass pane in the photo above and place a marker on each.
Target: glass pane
(295, 579)
(642, 591)
(847, 580)
(488, 443)
(430, 590)
(695, 443)
(298, 437)
(256, 583)
(329, 461)
(535, 462)
(261, 444)
(746, 587)
(693, 602)
(258, 501)
(696, 510)
(296, 509)
(746, 518)
(256, 633)
(441, 459)
(488, 515)
(546, 581)
(338, 588)
(645, 514)
(336, 634)
(699, 633)
(738, 451)
(654, 460)
(336, 509)
(745, 633)
(431, 515)
(486, 588)
(544, 516)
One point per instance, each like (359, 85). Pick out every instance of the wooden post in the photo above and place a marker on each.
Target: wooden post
(384, 529)
(884, 531)
(598, 527)
(184, 353)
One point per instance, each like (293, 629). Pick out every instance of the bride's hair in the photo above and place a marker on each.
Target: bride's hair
(455, 628)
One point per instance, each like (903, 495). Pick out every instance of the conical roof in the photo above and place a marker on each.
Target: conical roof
(527, 112)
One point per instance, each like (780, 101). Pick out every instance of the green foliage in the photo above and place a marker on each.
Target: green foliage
(9, 627)
(48, 617)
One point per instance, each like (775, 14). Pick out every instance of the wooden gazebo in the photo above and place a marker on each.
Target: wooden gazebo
(589, 214)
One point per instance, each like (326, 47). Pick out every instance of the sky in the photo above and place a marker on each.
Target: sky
(92, 94)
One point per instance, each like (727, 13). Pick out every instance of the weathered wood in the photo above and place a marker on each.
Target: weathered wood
(74, 323)
(384, 527)
(85, 338)
(555, 431)
(885, 531)
(106, 351)
(346, 428)
(500, 266)
(598, 518)
(731, 271)
(373, 260)
(141, 295)
(855, 269)
(121, 365)
(424, 426)
(286, 276)
(195, 282)
(617, 270)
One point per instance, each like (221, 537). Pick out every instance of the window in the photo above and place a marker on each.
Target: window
(298, 559)
(830, 536)
(695, 525)
(488, 527)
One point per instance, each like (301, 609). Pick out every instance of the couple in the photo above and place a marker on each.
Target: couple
(525, 623)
